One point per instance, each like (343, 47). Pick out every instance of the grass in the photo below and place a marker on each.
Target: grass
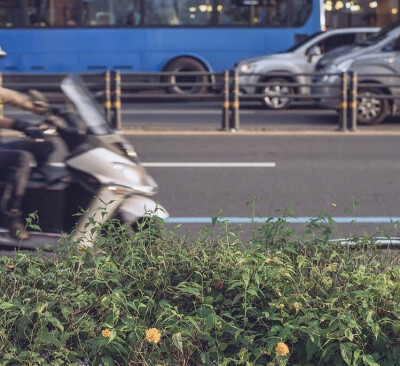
(160, 298)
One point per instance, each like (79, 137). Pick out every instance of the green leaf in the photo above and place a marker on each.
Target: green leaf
(107, 361)
(210, 321)
(112, 336)
(349, 335)
(177, 341)
(56, 323)
(369, 360)
(396, 326)
(346, 350)
(7, 306)
(311, 349)
(35, 227)
(192, 321)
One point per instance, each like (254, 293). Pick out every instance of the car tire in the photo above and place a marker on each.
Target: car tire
(275, 91)
(371, 110)
(185, 64)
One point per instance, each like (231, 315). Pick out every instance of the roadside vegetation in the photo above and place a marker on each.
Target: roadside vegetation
(159, 298)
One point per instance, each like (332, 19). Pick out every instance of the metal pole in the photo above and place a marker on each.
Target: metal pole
(343, 102)
(107, 95)
(234, 118)
(353, 101)
(225, 102)
(117, 123)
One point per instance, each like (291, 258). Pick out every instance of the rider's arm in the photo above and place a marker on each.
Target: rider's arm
(6, 122)
(28, 128)
(17, 99)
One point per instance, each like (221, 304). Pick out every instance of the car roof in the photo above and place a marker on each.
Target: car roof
(353, 30)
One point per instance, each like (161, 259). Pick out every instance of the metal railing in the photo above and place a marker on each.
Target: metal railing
(111, 87)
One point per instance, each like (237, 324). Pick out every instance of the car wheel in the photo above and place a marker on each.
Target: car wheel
(185, 64)
(275, 93)
(370, 109)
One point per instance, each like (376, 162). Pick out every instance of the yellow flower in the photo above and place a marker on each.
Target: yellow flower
(333, 204)
(105, 333)
(153, 335)
(282, 349)
(281, 305)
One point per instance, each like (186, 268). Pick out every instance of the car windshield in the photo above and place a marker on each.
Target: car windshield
(76, 91)
(302, 42)
(377, 37)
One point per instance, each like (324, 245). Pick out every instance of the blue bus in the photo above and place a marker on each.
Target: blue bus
(61, 36)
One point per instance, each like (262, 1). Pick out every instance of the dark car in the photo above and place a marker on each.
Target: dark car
(377, 63)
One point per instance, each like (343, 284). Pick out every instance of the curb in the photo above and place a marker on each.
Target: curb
(141, 132)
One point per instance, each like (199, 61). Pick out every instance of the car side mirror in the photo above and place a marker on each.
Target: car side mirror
(312, 52)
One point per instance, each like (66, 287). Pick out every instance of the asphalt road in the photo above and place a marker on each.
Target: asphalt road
(253, 117)
(313, 174)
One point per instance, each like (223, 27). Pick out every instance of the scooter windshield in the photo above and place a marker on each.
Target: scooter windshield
(79, 95)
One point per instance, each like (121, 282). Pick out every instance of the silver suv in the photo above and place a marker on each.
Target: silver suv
(301, 58)
(377, 61)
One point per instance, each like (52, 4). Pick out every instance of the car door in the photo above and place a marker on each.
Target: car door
(316, 50)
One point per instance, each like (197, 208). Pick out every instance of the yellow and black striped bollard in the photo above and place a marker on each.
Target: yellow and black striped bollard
(343, 102)
(117, 123)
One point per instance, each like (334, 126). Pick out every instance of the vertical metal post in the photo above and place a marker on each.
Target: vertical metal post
(343, 102)
(353, 101)
(107, 95)
(234, 118)
(117, 123)
(225, 103)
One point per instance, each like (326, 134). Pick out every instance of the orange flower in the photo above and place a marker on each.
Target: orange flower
(105, 333)
(153, 335)
(282, 349)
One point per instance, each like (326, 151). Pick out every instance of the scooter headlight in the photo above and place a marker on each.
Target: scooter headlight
(136, 178)
(121, 190)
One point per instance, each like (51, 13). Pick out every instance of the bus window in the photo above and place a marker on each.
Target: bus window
(50, 13)
(301, 10)
(193, 13)
(162, 12)
(133, 14)
(88, 13)
(10, 16)
(179, 12)
(269, 13)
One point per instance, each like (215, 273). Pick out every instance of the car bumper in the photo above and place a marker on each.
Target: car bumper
(247, 84)
(326, 96)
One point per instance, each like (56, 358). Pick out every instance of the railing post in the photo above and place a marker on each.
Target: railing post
(343, 102)
(117, 121)
(107, 95)
(234, 117)
(353, 100)
(225, 102)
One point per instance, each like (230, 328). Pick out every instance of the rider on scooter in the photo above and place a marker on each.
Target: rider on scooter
(16, 157)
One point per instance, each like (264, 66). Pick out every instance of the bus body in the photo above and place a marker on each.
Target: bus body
(61, 36)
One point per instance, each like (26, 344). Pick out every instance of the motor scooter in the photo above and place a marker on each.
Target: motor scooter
(100, 177)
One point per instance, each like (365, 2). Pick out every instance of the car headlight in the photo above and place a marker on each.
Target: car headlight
(248, 67)
(336, 69)
(344, 66)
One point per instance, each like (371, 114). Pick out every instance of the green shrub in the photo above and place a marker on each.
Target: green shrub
(215, 300)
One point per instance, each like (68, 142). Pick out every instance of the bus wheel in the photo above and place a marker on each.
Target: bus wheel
(186, 64)
(275, 93)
